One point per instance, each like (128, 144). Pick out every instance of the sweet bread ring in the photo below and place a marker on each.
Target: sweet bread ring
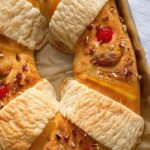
(71, 127)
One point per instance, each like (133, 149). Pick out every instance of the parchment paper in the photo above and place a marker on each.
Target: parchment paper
(56, 66)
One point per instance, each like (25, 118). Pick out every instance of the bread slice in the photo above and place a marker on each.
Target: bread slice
(22, 22)
(62, 134)
(24, 118)
(105, 59)
(17, 69)
(105, 120)
(70, 20)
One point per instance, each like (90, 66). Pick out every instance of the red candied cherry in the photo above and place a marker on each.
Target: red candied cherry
(104, 34)
(3, 90)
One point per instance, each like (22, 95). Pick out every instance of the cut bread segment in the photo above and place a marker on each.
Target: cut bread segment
(17, 69)
(105, 59)
(24, 118)
(20, 21)
(70, 20)
(105, 120)
(62, 134)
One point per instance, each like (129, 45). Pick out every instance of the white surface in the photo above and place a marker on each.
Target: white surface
(141, 13)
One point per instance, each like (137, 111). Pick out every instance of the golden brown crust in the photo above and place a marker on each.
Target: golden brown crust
(61, 133)
(17, 68)
(116, 79)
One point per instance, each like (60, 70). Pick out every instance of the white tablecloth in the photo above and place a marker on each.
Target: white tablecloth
(141, 13)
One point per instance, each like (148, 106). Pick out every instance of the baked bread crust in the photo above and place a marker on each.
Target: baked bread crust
(17, 68)
(61, 134)
(109, 67)
(69, 21)
(32, 110)
(100, 117)
(23, 23)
